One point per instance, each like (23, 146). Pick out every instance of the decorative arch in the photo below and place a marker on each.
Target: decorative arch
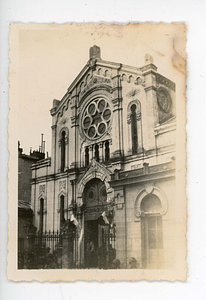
(58, 115)
(66, 132)
(82, 86)
(42, 196)
(106, 73)
(131, 79)
(88, 77)
(124, 77)
(134, 126)
(95, 171)
(63, 149)
(145, 192)
(62, 193)
(42, 210)
(138, 110)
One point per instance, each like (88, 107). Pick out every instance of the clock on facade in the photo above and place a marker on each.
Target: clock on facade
(96, 118)
(164, 100)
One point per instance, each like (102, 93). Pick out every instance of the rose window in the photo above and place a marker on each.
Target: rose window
(164, 100)
(96, 118)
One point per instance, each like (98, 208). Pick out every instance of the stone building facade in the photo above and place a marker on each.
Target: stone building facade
(25, 213)
(113, 155)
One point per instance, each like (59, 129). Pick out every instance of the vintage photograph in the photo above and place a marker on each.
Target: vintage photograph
(97, 113)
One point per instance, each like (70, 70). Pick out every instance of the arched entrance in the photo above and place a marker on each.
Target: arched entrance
(152, 233)
(99, 247)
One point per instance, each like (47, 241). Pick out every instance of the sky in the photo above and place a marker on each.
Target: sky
(51, 56)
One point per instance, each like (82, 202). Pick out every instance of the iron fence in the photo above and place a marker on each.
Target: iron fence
(62, 250)
(50, 250)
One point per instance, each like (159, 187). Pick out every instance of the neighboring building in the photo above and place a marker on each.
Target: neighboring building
(113, 154)
(25, 214)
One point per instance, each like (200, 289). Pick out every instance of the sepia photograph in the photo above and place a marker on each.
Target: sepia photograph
(97, 152)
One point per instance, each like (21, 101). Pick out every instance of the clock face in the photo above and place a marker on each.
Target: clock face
(96, 118)
(164, 100)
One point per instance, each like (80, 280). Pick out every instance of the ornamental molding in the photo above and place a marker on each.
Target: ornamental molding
(66, 133)
(138, 110)
(133, 93)
(164, 100)
(99, 171)
(95, 81)
(62, 185)
(62, 193)
(150, 189)
(42, 195)
(98, 136)
(42, 188)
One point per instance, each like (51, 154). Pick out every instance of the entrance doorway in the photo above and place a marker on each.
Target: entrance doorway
(91, 243)
(152, 233)
(99, 237)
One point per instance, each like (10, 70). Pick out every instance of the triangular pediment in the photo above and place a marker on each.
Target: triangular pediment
(96, 167)
(96, 170)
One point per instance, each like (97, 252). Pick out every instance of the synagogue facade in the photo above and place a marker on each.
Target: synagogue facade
(112, 165)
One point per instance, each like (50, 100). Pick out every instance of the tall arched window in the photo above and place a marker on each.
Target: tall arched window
(107, 151)
(134, 129)
(63, 151)
(41, 216)
(151, 232)
(96, 152)
(86, 156)
(61, 210)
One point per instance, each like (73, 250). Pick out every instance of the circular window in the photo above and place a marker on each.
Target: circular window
(164, 100)
(91, 194)
(96, 118)
(103, 194)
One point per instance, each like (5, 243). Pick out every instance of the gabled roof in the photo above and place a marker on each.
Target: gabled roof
(94, 61)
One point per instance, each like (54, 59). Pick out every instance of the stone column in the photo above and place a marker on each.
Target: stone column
(149, 73)
(54, 146)
(116, 149)
(101, 151)
(121, 250)
(66, 153)
(139, 134)
(90, 152)
(129, 136)
(58, 155)
(73, 137)
(82, 156)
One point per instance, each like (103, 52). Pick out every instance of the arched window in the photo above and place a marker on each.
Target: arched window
(131, 79)
(124, 77)
(96, 152)
(107, 151)
(151, 232)
(41, 216)
(134, 129)
(61, 210)
(86, 156)
(106, 73)
(63, 151)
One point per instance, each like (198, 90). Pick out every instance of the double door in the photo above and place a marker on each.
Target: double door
(97, 247)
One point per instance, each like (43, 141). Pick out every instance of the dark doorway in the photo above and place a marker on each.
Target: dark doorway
(91, 244)
(99, 237)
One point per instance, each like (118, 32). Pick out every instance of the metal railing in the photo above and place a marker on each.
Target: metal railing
(61, 250)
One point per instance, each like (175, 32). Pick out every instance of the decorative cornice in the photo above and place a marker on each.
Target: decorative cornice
(165, 81)
(150, 88)
(165, 170)
(159, 129)
(41, 164)
(148, 69)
